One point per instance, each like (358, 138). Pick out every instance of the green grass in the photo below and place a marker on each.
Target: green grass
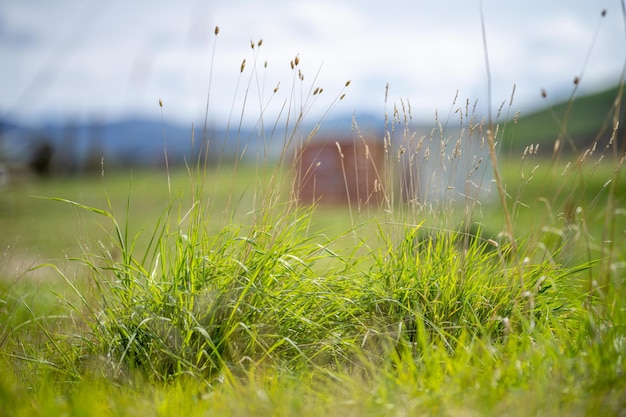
(211, 290)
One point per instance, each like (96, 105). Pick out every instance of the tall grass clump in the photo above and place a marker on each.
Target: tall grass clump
(478, 283)
(211, 301)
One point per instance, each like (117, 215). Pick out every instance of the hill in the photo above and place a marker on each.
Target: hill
(581, 120)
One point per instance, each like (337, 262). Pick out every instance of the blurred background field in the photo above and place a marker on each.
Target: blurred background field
(37, 229)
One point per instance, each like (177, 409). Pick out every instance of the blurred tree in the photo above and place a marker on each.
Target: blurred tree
(41, 157)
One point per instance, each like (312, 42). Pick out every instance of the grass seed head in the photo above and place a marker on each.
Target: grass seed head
(339, 149)
(217, 30)
(243, 65)
(500, 109)
(512, 95)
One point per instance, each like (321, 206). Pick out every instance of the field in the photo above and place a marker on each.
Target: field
(218, 288)
(210, 289)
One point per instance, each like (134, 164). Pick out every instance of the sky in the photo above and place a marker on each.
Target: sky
(82, 60)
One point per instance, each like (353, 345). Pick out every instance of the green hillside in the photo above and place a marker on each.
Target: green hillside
(584, 119)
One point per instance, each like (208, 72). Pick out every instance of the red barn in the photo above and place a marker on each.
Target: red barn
(335, 171)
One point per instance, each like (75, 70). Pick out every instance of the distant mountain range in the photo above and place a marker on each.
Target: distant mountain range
(130, 141)
(141, 142)
(137, 141)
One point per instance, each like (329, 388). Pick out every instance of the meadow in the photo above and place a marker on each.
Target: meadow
(210, 289)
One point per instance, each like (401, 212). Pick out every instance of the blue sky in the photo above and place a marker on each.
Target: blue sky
(80, 60)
